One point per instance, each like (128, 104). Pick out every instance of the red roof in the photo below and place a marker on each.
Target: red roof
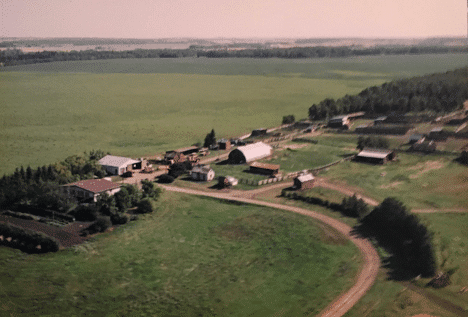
(95, 185)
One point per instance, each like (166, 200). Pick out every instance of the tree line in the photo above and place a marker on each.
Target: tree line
(40, 187)
(441, 92)
(12, 57)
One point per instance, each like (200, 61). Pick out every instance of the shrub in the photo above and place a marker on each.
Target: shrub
(27, 240)
(165, 179)
(146, 205)
(100, 225)
(85, 213)
(119, 218)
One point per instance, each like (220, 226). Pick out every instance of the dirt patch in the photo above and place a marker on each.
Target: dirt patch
(67, 235)
(425, 167)
(391, 185)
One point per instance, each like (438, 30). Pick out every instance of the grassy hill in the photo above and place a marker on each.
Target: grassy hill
(193, 256)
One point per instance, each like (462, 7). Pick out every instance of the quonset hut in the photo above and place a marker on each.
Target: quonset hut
(249, 153)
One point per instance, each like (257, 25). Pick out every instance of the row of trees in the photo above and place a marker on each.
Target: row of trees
(17, 57)
(40, 187)
(404, 236)
(443, 92)
(26, 240)
(372, 142)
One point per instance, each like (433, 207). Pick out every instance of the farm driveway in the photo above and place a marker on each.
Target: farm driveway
(366, 276)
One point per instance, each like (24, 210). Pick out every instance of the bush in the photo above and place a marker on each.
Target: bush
(26, 240)
(85, 213)
(119, 219)
(100, 225)
(146, 205)
(165, 179)
(288, 119)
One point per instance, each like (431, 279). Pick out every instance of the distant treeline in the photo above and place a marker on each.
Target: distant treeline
(443, 92)
(17, 57)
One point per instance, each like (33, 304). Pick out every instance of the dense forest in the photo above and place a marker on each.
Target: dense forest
(443, 92)
(11, 57)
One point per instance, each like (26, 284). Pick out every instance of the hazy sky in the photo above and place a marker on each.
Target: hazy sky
(232, 18)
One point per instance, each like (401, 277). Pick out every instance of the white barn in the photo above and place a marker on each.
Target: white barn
(249, 153)
(118, 165)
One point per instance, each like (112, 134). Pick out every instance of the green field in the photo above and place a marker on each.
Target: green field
(140, 107)
(427, 182)
(390, 298)
(195, 256)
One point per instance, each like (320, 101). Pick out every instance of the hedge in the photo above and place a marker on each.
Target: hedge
(26, 240)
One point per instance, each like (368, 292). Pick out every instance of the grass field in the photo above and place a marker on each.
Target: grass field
(138, 107)
(420, 181)
(195, 256)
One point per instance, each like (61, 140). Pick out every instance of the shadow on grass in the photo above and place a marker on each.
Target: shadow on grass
(393, 263)
(225, 162)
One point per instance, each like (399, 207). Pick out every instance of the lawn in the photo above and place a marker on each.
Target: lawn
(140, 107)
(195, 256)
(420, 181)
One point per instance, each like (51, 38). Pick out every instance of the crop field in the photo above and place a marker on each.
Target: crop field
(140, 107)
(194, 256)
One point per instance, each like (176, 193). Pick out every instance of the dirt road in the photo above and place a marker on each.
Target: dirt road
(366, 276)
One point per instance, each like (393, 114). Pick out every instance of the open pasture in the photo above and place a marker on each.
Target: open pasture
(194, 256)
(140, 107)
(420, 181)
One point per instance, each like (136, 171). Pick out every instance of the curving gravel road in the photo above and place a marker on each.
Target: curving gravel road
(366, 276)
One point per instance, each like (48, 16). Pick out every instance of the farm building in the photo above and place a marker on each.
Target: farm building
(227, 181)
(224, 144)
(187, 150)
(259, 132)
(249, 153)
(424, 146)
(202, 173)
(375, 156)
(414, 138)
(339, 122)
(437, 134)
(118, 165)
(304, 181)
(91, 188)
(380, 120)
(264, 168)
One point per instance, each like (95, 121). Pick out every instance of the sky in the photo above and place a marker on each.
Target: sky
(233, 18)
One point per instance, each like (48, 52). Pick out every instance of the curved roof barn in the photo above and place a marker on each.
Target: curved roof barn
(249, 153)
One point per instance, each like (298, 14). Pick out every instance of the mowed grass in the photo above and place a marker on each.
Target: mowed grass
(138, 107)
(195, 256)
(420, 181)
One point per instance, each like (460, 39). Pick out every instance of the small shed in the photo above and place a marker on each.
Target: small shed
(203, 173)
(380, 120)
(224, 144)
(259, 132)
(424, 146)
(339, 122)
(414, 138)
(264, 168)
(304, 181)
(227, 181)
(375, 156)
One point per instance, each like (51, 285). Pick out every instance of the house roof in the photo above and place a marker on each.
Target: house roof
(374, 153)
(255, 151)
(305, 178)
(265, 166)
(94, 185)
(203, 169)
(117, 161)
